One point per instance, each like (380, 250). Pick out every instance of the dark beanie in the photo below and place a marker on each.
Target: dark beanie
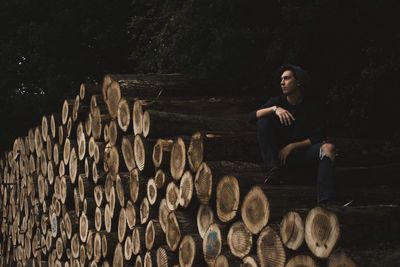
(300, 74)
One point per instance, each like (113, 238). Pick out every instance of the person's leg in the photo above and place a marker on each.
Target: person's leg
(323, 154)
(267, 129)
(326, 173)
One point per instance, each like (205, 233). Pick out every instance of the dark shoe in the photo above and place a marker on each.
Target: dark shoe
(272, 175)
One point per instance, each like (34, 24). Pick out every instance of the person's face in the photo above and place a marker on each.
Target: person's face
(288, 82)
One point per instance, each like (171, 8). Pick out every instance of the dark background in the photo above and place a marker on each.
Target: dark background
(351, 49)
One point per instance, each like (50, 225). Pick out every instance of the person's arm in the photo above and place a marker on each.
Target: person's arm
(264, 110)
(289, 148)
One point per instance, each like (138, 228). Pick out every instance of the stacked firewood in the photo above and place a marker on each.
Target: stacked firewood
(149, 170)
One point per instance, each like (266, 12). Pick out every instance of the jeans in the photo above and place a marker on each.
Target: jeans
(268, 134)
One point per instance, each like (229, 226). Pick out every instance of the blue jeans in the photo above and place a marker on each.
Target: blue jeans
(270, 142)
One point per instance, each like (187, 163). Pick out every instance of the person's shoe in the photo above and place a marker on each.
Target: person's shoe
(272, 175)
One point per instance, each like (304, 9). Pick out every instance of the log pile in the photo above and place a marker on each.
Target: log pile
(149, 170)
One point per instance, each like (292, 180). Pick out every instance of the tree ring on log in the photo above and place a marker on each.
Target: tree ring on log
(322, 231)
(212, 243)
(123, 115)
(195, 151)
(203, 183)
(292, 230)
(270, 250)
(228, 197)
(239, 239)
(178, 159)
(255, 210)
(205, 217)
(186, 189)
(137, 117)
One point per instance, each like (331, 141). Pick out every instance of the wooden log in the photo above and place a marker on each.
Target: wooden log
(132, 214)
(138, 261)
(147, 211)
(66, 110)
(302, 260)
(162, 179)
(215, 147)
(250, 261)
(292, 230)
(114, 134)
(163, 212)
(38, 141)
(162, 152)
(128, 248)
(55, 122)
(151, 190)
(240, 240)
(228, 197)
(154, 235)
(190, 252)
(172, 196)
(88, 124)
(255, 210)
(127, 152)
(186, 191)
(108, 243)
(137, 118)
(205, 217)
(49, 148)
(123, 115)
(143, 149)
(178, 159)
(98, 218)
(121, 225)
(138, 240)
(137, 185)
(203, 183)
(86, 90)
(112, 156)
(76, 167)
(270, 250)
(62, 134)
(121, 187)
(57, 154)
(209, 106)
(166, 124)
(98, 192)
(340, 258)
(90, 244)
(226, 260)
(98, 175)
(165, 257)
(212, 243)
(97, 247)
(150, 258)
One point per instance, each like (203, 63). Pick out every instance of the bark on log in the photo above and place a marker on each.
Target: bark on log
(165, 124)
(214, 147)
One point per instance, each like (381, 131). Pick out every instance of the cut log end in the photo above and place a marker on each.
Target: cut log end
(240, 239)
(255, 210)
(178, 159)
(228, 194)
(322, 231)
(303, 260)
(270, 250)
(292, 230)
(203, 183)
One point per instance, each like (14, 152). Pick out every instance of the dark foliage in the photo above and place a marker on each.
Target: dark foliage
(351, 49)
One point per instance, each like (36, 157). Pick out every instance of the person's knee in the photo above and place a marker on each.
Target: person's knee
(329, 150)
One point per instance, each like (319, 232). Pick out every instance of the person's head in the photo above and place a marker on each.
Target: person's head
(293, 79)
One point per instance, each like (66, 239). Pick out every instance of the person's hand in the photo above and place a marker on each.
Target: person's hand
(284, 153)
(284, 116)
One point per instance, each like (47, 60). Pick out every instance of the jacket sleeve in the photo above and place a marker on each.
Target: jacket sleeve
(271, 102)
